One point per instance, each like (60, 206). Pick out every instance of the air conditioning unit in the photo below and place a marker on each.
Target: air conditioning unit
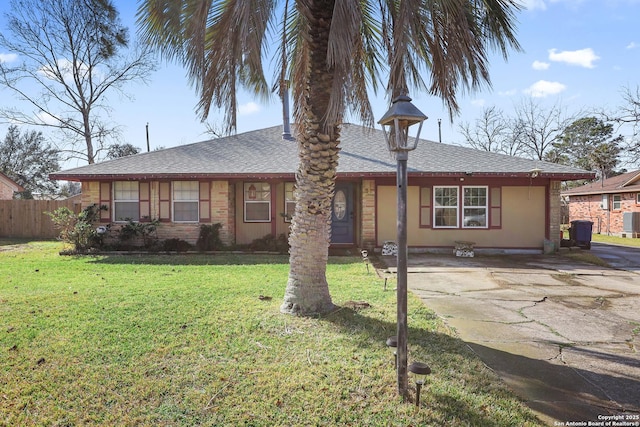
(631, 222)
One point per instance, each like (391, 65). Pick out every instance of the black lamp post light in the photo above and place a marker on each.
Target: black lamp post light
(396, 123)
(392, 343)
(420, 370)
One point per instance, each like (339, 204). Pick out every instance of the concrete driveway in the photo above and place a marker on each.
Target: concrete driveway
(564, 336)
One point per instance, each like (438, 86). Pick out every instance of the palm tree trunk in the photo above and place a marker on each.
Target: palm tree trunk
(307, 291)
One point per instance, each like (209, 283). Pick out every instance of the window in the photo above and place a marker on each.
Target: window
(257, 202)
(604, 204)
(126, 203)
(474, 207)
(185, 201)
(617, 202)
(637, 198)
(445, 207)
(289, 201)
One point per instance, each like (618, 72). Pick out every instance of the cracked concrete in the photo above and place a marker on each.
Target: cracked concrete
(563, 335)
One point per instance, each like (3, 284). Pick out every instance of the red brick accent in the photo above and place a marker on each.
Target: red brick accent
(368, 213)
(604, 221)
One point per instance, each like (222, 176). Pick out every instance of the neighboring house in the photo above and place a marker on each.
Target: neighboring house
(246, 183)
(8, 187)
(613, 204)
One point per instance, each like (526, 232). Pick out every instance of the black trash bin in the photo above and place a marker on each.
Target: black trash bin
(580, 233)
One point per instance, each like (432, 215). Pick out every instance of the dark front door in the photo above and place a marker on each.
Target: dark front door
(342, 214)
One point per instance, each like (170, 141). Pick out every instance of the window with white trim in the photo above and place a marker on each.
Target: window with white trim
(474, 207)
(186, 201)
(617, 202)
(637, 198)
(445, 207)
(289, 201)
(126, 201)
(257, 202)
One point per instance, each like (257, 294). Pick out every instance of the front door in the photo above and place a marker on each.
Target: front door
(342, 214)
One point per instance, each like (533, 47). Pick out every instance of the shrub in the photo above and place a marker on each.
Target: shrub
(79, 229)
(145, 230)
(176, 245)
(209, 237)
(271, 243)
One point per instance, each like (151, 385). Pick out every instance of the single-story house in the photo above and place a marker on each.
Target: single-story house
(8, 187)
(612, 204)
(245, 182)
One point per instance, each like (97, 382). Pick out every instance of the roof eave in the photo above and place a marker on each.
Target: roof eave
(61, 176)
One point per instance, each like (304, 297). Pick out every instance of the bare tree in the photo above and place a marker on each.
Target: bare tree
(538, 128)
(69, 57)
(494, 132)
(629, 114)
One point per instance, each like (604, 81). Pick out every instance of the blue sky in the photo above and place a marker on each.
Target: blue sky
(576, 53)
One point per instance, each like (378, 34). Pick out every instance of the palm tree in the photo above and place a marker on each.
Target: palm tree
(332, 51)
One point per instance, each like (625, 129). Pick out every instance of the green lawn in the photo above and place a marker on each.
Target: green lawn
(185, 340)
(602, 238)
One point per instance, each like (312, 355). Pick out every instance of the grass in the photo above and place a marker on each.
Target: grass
(603, 238)
(185, 340)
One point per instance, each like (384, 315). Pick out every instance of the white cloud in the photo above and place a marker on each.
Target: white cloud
(533, 4)
(248, 108)
(582, 57)
(7, 57)
(509, 92)
(539, 65)
(46, 118)
(632, 45)
(543, 88)
(478, 102)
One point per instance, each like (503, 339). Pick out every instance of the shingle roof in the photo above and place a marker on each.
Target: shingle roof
(264, 153)
(626, 183)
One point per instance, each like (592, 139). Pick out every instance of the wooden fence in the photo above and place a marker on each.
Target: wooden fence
(27, 218)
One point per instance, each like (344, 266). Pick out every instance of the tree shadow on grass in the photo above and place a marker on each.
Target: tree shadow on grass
(556, 390)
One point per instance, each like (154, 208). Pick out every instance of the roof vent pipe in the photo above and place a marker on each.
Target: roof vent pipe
(286, 126)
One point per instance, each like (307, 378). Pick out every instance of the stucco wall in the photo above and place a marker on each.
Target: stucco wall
(523, 221)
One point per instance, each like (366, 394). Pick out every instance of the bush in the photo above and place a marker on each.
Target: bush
(209, 237)
(79, 229)
(271, 243)
(176, 245)
(145, 230)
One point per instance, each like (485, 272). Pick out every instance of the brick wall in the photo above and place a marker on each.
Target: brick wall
(604, 221)
(221, 194)
(555, 212)
(6, 192)
(368, 213)
(222, 211)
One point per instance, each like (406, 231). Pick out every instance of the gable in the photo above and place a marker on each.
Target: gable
(8, 187)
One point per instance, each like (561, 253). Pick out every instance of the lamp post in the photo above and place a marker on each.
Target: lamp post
(395, 123)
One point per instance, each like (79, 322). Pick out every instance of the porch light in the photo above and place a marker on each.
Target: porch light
(396, 122)
(395, 125)
(420, 370)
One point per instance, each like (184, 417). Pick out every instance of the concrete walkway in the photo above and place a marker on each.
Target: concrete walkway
(564, 336)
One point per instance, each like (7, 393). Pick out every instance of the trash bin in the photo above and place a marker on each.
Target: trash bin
(580, 233)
